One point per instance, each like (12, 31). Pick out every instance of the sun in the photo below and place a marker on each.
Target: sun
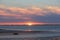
(29, 24)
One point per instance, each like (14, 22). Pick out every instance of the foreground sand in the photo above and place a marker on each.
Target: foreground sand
(29, 36)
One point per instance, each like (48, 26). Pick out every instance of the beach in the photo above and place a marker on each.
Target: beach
(30, 36)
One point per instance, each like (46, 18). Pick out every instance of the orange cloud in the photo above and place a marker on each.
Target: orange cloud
(24, 13)
(54, 9)
(29, 11)
(3, 13)
(11, 12)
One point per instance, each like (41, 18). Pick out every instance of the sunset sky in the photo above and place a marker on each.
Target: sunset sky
(30, 11)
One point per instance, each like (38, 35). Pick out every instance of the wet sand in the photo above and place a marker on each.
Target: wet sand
(29, 36)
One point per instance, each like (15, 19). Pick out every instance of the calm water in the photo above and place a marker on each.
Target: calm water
(34, 28)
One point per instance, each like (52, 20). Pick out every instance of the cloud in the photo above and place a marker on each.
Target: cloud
(30, 11)
(28, 14)
(54, 9)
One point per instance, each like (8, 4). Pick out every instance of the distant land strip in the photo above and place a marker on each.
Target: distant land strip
(34, 25)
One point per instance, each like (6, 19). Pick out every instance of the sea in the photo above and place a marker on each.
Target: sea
(36, 36)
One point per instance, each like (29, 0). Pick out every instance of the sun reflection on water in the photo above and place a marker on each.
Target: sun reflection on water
(29, 30)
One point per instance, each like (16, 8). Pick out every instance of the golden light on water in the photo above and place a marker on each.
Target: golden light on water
(29, 30)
